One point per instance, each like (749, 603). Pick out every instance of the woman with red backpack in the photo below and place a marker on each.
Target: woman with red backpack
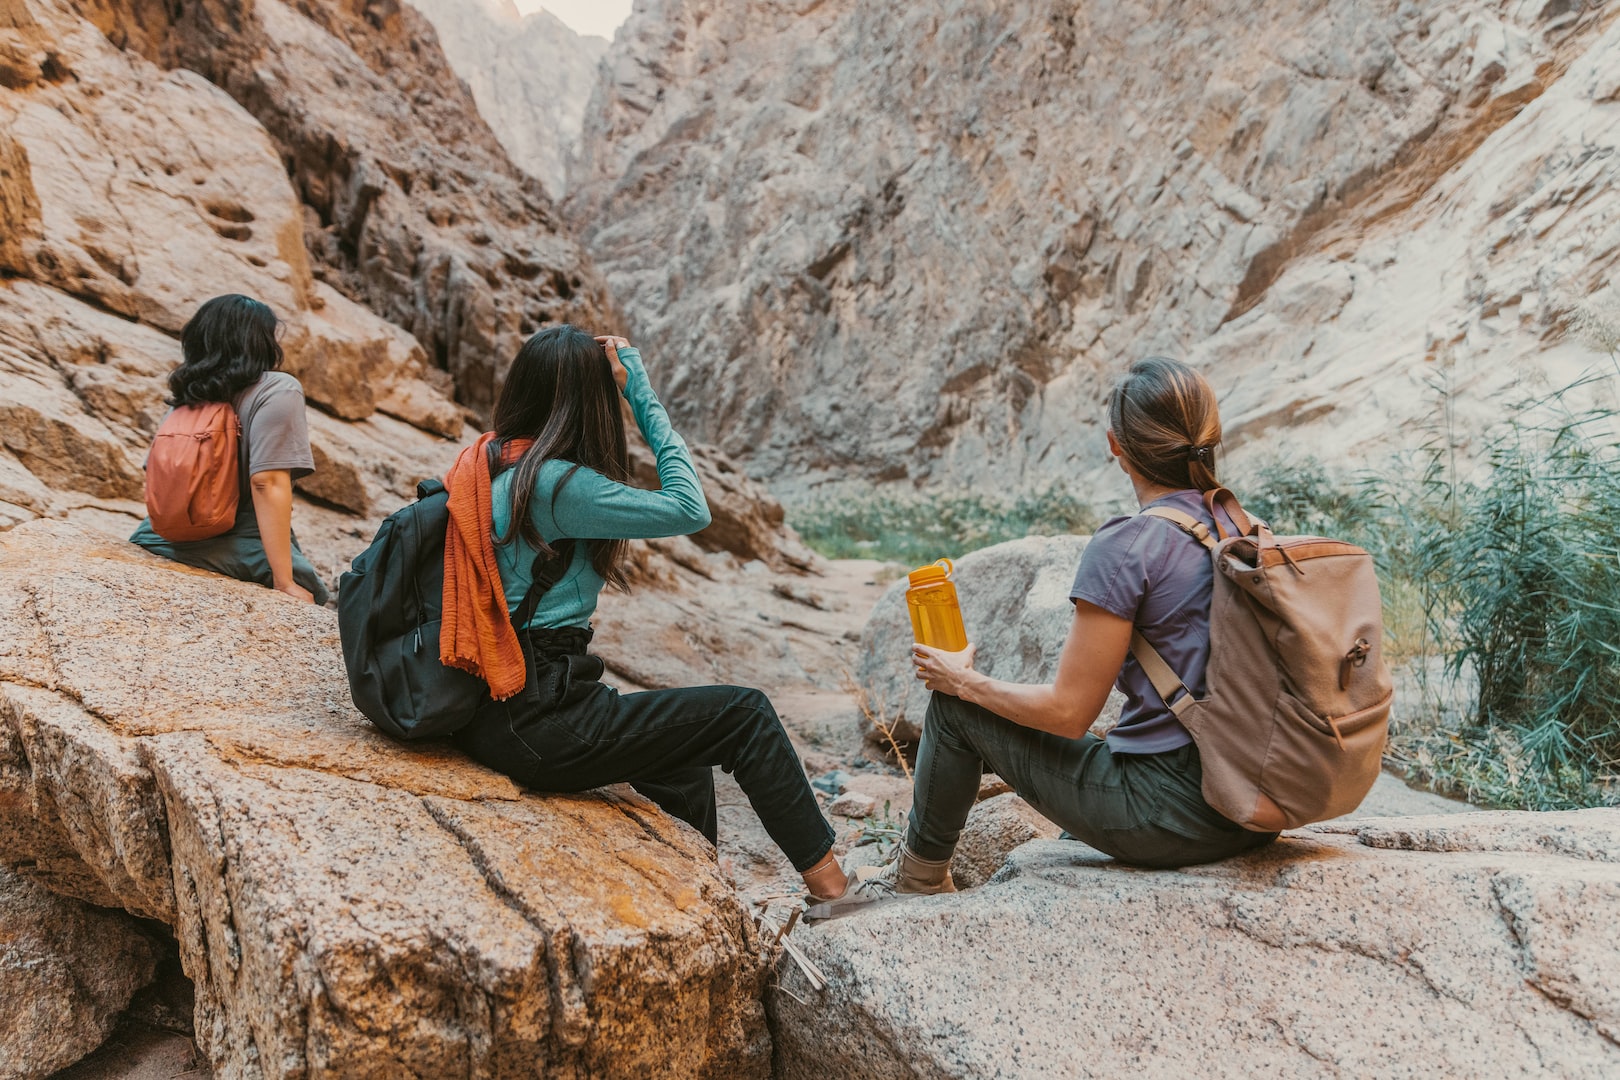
(220, 473)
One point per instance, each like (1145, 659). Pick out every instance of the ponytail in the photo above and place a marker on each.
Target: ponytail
(1164, 416)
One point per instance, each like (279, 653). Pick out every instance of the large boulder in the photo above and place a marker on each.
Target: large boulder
(183, 746)
(67, 970)
(1015, 605)
(1473, 943)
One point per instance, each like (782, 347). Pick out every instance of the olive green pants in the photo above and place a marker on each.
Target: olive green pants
(238, 554)
(1144, 809)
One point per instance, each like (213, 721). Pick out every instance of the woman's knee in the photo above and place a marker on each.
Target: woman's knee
(950, 717)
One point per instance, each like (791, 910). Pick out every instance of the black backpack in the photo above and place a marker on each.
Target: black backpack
(390, 606)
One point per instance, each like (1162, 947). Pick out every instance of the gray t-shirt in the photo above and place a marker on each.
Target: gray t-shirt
(275, 434)
(1147, 570)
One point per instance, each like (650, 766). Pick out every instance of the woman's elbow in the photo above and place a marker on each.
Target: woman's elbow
(270, 481)
(698, 518)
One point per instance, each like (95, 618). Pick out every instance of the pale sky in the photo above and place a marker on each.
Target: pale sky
(598, 17)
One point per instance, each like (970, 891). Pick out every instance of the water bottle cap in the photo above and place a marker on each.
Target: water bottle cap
(933, 573)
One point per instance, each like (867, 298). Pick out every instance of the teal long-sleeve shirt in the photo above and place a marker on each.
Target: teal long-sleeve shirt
(592, 507)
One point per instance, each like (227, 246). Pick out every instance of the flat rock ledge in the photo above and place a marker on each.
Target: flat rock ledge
(183, 746)
(1479, 944)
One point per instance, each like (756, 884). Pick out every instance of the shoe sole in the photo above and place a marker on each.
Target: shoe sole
(836, 909)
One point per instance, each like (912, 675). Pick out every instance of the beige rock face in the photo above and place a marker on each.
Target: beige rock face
(408, 205)
(109, 254)
(919, 241)
(177, 215)
(1466, 292)
(1413, 947)
(531, 75)
(67, 970)
(183, 746)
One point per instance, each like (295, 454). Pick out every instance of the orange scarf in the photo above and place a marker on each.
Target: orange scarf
(477, 633)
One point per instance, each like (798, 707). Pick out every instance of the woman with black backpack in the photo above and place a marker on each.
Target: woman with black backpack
(553, 477)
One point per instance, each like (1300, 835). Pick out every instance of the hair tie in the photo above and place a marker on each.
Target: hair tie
(1201, 454)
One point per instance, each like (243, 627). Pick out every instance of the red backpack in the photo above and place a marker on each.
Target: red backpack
(193, 481)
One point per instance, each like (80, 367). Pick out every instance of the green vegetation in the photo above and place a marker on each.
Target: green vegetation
(1502, 603)
(912, 528)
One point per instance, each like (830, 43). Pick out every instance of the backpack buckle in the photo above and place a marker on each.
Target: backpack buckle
(1356, 657)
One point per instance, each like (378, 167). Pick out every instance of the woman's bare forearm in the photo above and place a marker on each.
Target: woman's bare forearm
(1037, 706)
(272, 506)
(1091, 657)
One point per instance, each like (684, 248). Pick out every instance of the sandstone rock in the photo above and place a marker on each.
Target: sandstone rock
(994, 829)
(371, 468)
(1319, 956)
(1015, 605)
(183, 746)
(919, 241)
(531, 75)
(852, 804)
(67, 970)
(410, 206)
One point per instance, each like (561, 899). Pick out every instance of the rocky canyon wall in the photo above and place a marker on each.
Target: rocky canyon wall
(131, 191)
(408, 204)
(531, 75)
(919, 241)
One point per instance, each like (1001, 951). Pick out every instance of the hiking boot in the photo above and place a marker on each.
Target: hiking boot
(903, 876)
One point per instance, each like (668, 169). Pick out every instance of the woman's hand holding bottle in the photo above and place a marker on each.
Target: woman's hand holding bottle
(947, 672)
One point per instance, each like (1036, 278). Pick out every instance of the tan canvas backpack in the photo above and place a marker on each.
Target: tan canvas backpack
(1293, 726)
(193, 476)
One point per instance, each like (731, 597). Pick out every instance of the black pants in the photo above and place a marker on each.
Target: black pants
(569, 732)
(1144, 809)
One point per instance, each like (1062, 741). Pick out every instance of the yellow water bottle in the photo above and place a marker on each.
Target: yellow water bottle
(936, 616)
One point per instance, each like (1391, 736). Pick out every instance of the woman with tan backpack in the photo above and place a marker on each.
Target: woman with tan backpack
(220, 472)
(1300, 699)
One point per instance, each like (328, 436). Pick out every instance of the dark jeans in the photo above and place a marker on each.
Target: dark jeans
(1145, 809)
(569, 732)
(238, 553)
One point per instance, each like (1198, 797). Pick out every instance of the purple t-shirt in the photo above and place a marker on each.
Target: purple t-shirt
(1147, 570)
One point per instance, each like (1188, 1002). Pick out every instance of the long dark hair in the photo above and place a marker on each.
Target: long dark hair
(1163, 413)
(225, 347)
(560, 393)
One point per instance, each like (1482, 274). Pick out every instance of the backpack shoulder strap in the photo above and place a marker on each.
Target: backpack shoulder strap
(1227, 501)
(1169, 685)
(546, 572)
(1187, 523)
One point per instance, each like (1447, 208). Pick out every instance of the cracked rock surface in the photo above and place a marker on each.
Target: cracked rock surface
(1469, 944)
(183, 746)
